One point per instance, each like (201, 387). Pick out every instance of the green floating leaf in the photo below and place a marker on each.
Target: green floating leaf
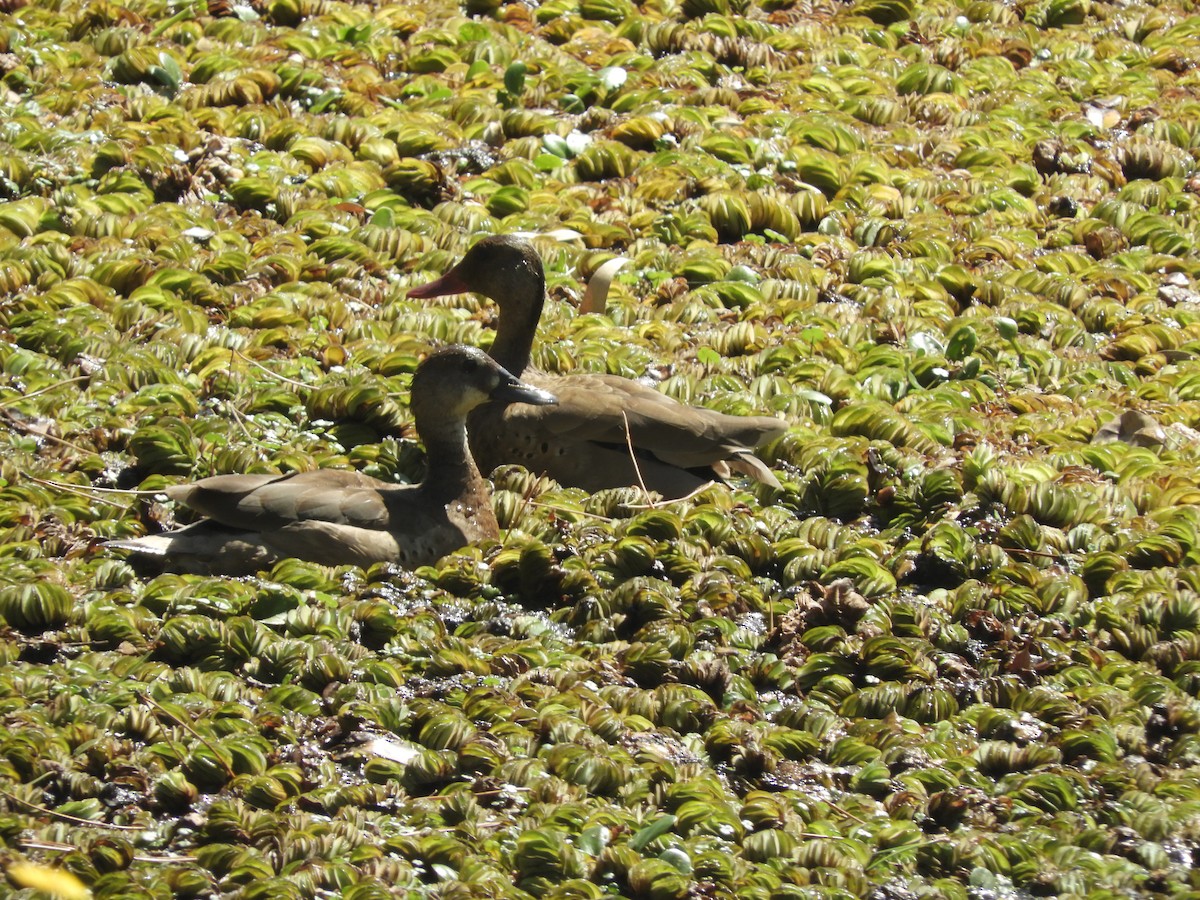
(514, 78)
(885, 12)
(678, 860)
(1006, 327)
(557, 146)
(167, 72)
(657, 828)
(962, 343)
(592, 840)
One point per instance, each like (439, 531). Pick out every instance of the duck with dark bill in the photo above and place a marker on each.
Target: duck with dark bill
(585, 440)
(335, 517)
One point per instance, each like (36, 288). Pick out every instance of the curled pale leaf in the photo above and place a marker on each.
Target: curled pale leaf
(597, 290)
(1102, 115)
(558, 234)
(613, 77)
(393, 750)
(1131, 427)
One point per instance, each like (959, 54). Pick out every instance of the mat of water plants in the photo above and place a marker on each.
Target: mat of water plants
(953, 244)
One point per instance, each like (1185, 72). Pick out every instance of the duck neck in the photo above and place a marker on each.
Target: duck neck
(451, 470)
(518, 323)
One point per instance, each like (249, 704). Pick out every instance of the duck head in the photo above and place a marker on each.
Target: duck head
(501, 267)
(453, 381)
(507, 270)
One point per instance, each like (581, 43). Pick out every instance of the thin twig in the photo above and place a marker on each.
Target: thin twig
(656, 504)
(494, 792)
(1020, 552)
(845, 812)
(44, 390)
(87, 490)
(238, 416)
(165, 860)
(188, 728)
(71, 848)
(667, 502)
(67, 818)
(240, 420)
(29, 429)
(46, 845)
(66, 486)
(574, 512)
(275, 375)
(450, 829)
(632, 455)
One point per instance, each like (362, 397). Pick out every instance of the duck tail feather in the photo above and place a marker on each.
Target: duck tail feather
(749, 464)
(149, 545)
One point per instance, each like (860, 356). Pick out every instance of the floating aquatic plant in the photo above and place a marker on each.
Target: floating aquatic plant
(953, 244)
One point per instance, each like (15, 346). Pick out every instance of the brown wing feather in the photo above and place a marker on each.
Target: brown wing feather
(260, 502)
(596, 408)
(581, 441)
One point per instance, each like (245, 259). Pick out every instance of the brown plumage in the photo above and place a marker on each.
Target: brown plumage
(582, 441)
(337, 517)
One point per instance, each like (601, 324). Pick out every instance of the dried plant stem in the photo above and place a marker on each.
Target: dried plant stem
(187, 726)
(88, 490)
(1040, 553)
(658, 504)
(28, 429)
(574, 512)
(46, 389)
(85, 488)
(632, 455)
(70, 848)
(275, 375)
(66, 818)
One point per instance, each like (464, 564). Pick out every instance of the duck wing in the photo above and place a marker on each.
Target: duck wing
(209, 547)
(328, 517)
(268, 502)
(601, 407)
(582, 441)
